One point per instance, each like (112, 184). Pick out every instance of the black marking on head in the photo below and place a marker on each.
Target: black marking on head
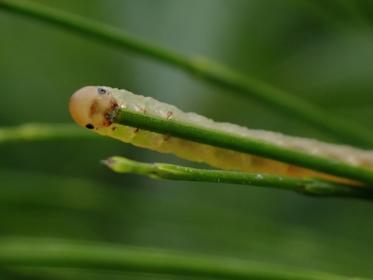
(90, 126)
(101, 90)
(169, 114)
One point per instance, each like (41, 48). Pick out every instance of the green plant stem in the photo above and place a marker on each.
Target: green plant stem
(201, 67)
(311, 186)
(43, 132)
(58, 253)
(222, 139)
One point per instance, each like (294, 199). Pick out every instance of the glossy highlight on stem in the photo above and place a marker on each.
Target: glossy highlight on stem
(307, 186)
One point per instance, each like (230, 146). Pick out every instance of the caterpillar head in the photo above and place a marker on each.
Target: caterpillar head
(93, 107)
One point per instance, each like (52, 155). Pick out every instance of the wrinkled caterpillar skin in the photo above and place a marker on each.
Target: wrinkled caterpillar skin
(94, 107)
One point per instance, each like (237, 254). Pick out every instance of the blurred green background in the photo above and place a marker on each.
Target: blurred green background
(319, 50)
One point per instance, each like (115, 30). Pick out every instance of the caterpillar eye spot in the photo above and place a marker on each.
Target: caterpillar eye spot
(90, 126)
(101, 90)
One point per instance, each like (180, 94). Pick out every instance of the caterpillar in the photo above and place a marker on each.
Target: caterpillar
(94, 107)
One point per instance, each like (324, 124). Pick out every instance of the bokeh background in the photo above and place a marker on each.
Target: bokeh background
(321, 51)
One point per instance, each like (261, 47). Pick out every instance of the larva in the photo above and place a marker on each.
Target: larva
(93, 107)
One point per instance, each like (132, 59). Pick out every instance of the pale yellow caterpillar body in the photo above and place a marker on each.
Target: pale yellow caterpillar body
(93, 107)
